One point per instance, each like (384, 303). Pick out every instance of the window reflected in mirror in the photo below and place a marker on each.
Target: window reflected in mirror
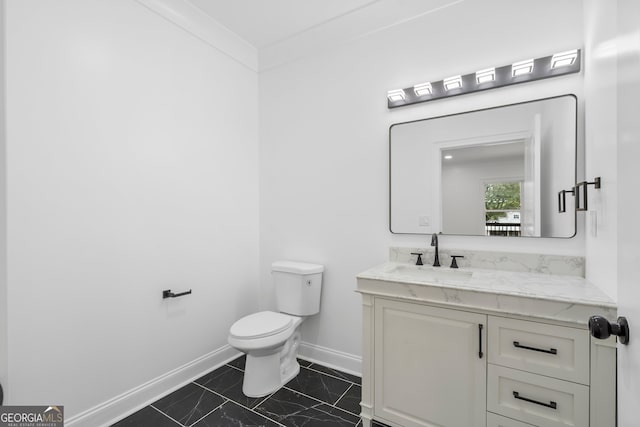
(502, 208)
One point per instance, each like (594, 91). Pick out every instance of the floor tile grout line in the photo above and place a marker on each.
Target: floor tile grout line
(322, 401)
(213, 391)
(224, 400)
(264, 400)
(329, 375)
(346, 412)
(345, 392)
(230, 399)
(241, 405)
(263, 415)
(210, 412)
(166, 415)
(177, 402)
(234, 367)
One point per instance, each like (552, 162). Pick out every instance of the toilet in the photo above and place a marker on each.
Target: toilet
(271, 339)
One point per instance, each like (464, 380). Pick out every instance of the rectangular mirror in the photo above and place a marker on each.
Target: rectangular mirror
(492, 172)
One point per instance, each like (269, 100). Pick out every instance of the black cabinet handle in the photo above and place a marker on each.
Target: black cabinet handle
(541, 350)
(480, 353)
(551, 404)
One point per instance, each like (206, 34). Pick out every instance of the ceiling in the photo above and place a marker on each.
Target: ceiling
(263, 34)
(486, 152)
(263, 23)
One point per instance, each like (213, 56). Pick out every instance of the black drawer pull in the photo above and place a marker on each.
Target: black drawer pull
(551, 404)
(541, 350)
(480, 353)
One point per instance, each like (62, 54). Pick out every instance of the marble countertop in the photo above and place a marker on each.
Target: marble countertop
(548, 296)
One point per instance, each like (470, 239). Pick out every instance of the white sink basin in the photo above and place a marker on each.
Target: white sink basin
(426, 273)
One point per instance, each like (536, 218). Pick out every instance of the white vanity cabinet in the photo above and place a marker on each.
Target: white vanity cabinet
(429, 365)
(439, 356)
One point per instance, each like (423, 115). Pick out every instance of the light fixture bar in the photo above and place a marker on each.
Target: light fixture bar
(519, 72)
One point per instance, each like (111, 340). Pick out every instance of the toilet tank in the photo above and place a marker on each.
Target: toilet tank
(297, 287)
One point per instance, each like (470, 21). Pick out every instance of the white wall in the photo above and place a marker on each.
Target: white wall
(4, 368)
(601, 138)
(324, 149)
(628, 152)
(132, 168)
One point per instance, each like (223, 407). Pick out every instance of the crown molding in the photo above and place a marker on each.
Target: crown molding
(202, 26)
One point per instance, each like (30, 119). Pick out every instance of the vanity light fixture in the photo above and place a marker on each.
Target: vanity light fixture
(451, 83)
(560, 64)
(448, 156)
(396, 95)
(564, 59)
(522, 67)
(484, 76)
(423, 89)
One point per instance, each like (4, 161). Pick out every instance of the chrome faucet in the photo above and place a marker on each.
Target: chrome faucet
(434, 243)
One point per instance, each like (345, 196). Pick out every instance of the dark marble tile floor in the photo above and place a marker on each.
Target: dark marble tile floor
(318, 396)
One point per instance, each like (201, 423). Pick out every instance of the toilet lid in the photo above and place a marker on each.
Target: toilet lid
(260, 325)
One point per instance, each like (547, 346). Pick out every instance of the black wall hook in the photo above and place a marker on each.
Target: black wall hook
(168, 294)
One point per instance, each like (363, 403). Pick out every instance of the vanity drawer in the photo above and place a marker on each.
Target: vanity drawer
(555, 351)
(494, 420)
(536, 399)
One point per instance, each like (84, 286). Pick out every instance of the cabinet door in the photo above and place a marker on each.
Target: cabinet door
(430, 365)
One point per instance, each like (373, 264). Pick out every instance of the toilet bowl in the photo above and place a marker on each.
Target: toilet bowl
(271, 339)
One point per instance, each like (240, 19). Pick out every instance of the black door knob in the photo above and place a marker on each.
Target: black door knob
(602, 329)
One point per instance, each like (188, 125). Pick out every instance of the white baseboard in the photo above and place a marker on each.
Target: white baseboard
(345, 362)
(137, 398)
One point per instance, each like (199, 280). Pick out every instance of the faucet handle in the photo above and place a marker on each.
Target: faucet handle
(419, 260)
(454, 263)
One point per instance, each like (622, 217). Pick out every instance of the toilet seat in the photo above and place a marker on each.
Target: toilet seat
(260, 325)
(263, 331)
